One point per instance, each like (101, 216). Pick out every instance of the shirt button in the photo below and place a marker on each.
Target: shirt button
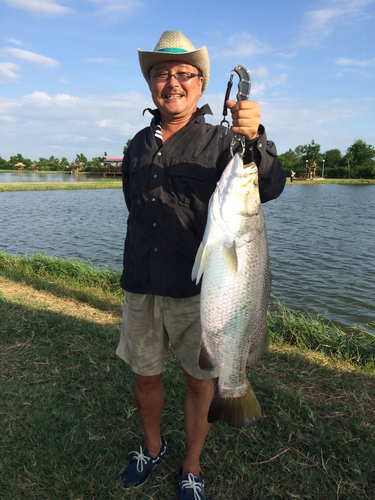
(155, 175)
(155, 249)
(154, 224)
(159, 153)
(152, 199)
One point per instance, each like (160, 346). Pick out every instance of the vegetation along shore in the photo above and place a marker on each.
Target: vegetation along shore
(45, 186)
(358, 162)
(68, 420)
(116, 184)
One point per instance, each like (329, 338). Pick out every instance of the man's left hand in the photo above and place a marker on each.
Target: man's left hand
(245, 118)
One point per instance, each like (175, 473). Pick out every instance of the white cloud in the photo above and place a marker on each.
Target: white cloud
(31, 57)
(243, 45)
(114, 10)
(8, 72)
(42, 98)
(262, 74)
(290, 121)
(342, 61)
(331, 123)
(38, 124)
(45, 7)
(41, 125)
(321, 19)
(15, 41)
(321, 23)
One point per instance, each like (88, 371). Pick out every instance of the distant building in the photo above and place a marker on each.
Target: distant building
(115, 164)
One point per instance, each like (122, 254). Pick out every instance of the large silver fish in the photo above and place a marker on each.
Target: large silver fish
(233, 259)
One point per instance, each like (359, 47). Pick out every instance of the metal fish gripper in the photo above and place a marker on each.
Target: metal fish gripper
(244, 87)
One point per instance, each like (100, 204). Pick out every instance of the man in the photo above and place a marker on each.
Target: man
(170, 171)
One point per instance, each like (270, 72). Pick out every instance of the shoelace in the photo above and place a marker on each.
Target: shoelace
(141, 459)
(191, 483)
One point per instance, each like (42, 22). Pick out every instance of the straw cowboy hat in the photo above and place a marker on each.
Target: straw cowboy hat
(174, 46)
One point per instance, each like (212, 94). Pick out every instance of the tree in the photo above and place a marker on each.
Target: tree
(80, 162)
(97, 162)
(293, 160)
(299, 151)
(14, 160)
(53, 163)
(64, 164)
(126, 146)
(333, 167)
(43, 164)
(313, 155)
(289, 161)
(348, 158)
(300, 165)
(360, 160)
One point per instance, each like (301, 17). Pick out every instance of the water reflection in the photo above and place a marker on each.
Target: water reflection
(321, 240)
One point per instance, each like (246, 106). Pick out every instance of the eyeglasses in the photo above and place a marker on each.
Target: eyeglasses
(164, 76)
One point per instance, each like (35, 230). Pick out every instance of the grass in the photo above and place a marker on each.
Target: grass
(116, 183)
(68, 419)
(319, 180)
(44, 186)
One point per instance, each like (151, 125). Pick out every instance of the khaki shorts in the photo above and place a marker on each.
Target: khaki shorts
(150, 323)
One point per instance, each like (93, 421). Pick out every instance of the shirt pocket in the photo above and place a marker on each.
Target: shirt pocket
(191, 184)
(138, 178)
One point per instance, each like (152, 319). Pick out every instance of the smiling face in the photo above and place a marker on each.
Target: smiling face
(176, 101)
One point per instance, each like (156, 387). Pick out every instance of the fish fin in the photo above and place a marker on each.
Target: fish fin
(205, 360)
(230, 255)
(236, 412)
(261, 349)
(199, 263)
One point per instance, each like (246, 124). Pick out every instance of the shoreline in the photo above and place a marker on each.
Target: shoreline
(116, 184)
(53, 186)
(319, 180)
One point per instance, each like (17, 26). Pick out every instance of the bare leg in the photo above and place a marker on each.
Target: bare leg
(197, 402)
(149, 398)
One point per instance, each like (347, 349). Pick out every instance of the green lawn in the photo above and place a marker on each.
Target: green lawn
(116, 183)
(68, 419)
(45, 186)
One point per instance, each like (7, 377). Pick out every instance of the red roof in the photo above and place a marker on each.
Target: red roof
(113, 159)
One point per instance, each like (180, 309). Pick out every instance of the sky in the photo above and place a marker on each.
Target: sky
(70, 80)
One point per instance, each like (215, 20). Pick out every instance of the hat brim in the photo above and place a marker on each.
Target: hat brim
(198, 58)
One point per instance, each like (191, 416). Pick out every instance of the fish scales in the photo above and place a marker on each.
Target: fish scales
(233, 259)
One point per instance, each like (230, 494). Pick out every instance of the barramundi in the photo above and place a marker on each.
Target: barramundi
(233, 259)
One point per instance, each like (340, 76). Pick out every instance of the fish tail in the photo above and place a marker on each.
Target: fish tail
(235, 411)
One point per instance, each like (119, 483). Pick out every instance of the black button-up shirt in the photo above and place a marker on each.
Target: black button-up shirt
(167, 191)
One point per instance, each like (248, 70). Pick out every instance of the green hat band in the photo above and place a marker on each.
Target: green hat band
(173, 50)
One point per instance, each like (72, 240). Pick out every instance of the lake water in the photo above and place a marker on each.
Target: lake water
(321, 240)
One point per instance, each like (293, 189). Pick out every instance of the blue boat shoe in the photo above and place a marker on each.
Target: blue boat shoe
(141, 465)
(191, 487)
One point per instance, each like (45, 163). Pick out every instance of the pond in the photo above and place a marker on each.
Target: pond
(321, 240)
